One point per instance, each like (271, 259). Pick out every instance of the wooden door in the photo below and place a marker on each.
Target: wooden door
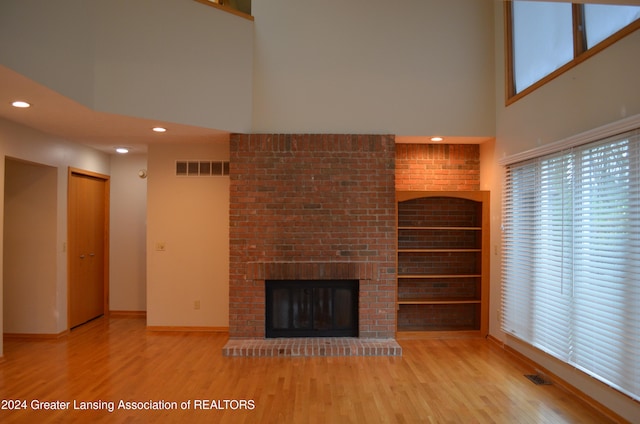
(87, 246)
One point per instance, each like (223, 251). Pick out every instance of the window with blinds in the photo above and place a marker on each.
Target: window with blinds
(571, 265)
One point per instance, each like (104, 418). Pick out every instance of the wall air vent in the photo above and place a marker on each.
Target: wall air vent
(202, 168)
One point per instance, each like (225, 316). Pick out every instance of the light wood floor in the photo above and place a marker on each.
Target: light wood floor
(435, 381)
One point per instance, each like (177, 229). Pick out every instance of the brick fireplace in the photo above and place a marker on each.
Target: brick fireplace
(312, 207)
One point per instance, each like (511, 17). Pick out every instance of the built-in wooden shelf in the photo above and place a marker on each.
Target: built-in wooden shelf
(437, 250)
(438, 301)
(432, 333)
(433, 287)
(437, 276)
(442, 228)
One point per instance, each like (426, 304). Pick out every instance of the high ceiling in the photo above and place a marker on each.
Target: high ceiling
(57, 115)
(54, 114)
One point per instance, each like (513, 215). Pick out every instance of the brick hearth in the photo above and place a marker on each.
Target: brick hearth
(329, 346)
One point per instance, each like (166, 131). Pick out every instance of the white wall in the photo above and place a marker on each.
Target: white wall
(410, 67)
(174, 60)
(26, 144)
(601, 90)
(170, 60)
(128, 225)
(51, 43)
(190, 217)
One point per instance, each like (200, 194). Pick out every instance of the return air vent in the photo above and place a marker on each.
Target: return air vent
(201, 168)
(538, 379)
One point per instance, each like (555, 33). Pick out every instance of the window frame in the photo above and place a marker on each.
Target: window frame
(580, 51)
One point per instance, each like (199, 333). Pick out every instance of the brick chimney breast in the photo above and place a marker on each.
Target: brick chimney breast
(312, 206)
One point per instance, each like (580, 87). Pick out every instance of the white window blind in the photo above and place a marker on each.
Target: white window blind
(571, 265)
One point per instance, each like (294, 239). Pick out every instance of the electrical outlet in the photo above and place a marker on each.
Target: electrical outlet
(196, 304)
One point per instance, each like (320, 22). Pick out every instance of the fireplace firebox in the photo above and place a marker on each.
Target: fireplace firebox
(311, 308)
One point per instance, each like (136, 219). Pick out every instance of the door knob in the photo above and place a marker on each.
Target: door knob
(81, 256)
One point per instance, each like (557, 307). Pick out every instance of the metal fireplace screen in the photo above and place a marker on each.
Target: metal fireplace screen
(311, 308)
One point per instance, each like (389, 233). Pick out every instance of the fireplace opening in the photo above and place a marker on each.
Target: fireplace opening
(311, 308)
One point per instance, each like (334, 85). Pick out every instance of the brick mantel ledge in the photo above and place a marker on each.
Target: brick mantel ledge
(312, 270)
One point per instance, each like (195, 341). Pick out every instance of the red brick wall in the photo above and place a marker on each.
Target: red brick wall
(312, 206)
(435, 167)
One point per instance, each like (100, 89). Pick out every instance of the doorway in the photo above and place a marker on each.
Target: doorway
(29, 271)
(88, 241)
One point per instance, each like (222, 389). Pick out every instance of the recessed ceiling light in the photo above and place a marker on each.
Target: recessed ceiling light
(122, 150)
(437, 138)
(159, 129)
(21, 104)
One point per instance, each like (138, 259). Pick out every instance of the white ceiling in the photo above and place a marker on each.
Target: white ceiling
(60, 116)
(55, 114)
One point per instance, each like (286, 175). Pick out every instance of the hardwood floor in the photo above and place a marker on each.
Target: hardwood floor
(109, 360)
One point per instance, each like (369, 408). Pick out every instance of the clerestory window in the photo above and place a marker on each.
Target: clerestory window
(545, 39)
